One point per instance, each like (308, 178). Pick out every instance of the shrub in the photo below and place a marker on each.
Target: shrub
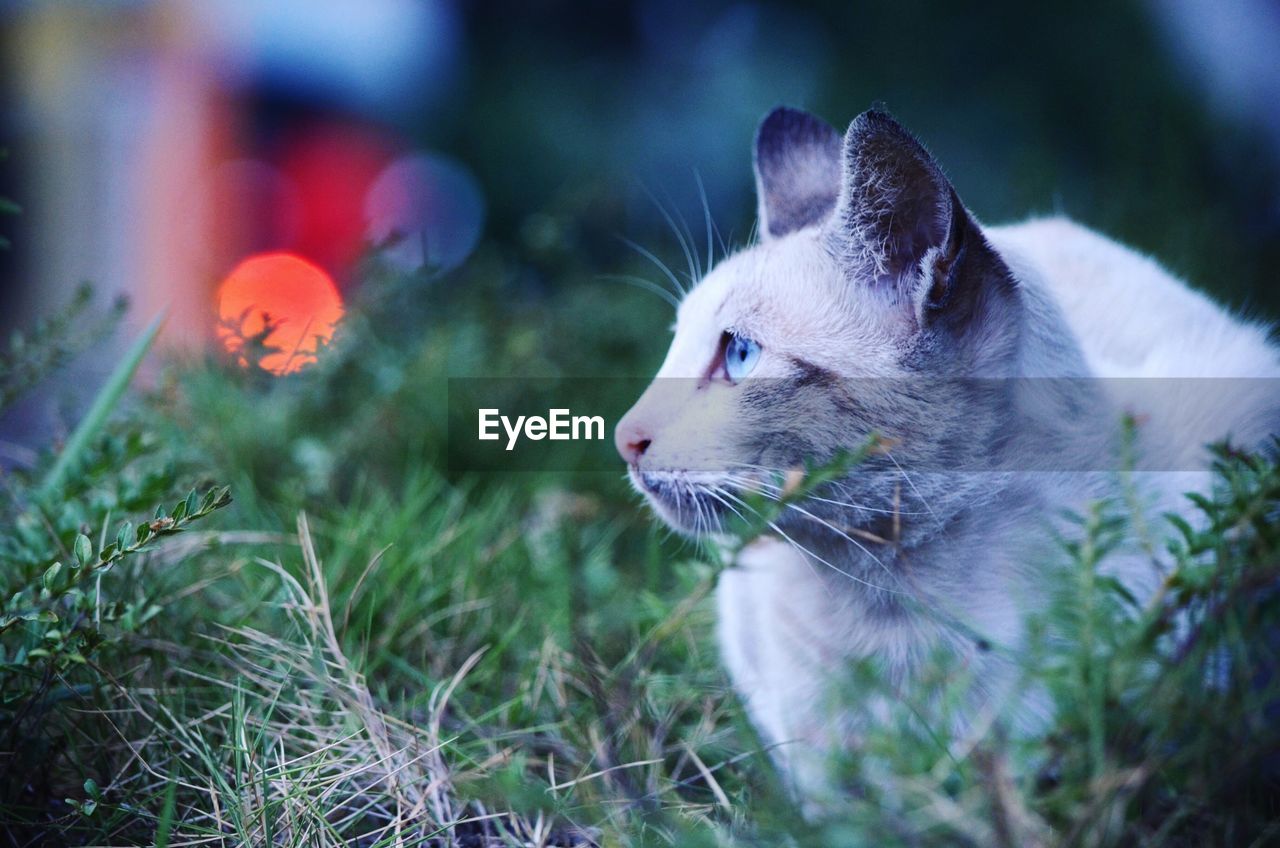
(76, 597)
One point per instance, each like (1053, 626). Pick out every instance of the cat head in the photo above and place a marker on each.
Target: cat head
(869, 276)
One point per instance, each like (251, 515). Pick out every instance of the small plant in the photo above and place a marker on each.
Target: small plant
(247, 349)
(59, 619)
(72, 617)
(29, 358)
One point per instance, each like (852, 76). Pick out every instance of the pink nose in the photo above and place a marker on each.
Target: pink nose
(632, 441)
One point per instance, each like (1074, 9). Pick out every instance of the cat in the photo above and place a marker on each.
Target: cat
(873, 302)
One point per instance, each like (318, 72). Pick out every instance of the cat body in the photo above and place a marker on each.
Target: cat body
(998, 363)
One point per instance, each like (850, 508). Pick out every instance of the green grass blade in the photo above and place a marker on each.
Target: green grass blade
(101, 408)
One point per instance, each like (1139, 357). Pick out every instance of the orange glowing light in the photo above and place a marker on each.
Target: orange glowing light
(297, 297)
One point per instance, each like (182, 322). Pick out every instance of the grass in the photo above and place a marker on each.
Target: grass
(367, 648)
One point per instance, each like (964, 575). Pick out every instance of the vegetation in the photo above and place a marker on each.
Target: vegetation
(366, 647)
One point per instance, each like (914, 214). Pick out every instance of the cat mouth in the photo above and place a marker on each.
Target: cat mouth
(693, 503)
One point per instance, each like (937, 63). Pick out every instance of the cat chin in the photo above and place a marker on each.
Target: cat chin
(681, 502)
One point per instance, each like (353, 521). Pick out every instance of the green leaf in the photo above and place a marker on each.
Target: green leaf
(1182, 525)
(125, 537)
(1119, 589)
(1205, 505)
(83, 550)
(98, 413)
(179, 511)
(51, 576)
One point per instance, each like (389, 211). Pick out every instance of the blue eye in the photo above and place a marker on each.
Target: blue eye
(740, 356)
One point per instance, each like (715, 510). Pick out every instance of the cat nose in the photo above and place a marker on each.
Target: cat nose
(632, 441)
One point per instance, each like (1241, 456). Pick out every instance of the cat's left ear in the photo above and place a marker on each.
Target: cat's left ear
(900, 227)
(797, 164)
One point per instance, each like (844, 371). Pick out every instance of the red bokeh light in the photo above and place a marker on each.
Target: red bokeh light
(332, 167)
(297, 296)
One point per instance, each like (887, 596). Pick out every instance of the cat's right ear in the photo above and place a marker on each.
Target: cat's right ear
(798, 168)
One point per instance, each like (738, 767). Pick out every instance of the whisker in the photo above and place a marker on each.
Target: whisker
(775, 488)
(910, 483)
(706, 217)
(840, 571)
(717, 492)
(870, 536)
(865, 534)
(693, 244)
(647, 285)
(759, 487)
(699, 520)
(851, 540)
(802, 549)
(697, 261)
(662, 266)
(686, 244)
(679, 519)
(878, 510)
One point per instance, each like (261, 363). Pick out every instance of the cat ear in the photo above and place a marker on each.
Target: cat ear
(797, 164)
(898, 223)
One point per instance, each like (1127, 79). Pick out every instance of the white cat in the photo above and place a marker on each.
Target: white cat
(875, 303)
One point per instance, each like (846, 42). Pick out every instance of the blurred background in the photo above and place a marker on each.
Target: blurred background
(205, 156)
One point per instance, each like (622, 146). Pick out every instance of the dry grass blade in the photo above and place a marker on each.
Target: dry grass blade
(296, 750)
